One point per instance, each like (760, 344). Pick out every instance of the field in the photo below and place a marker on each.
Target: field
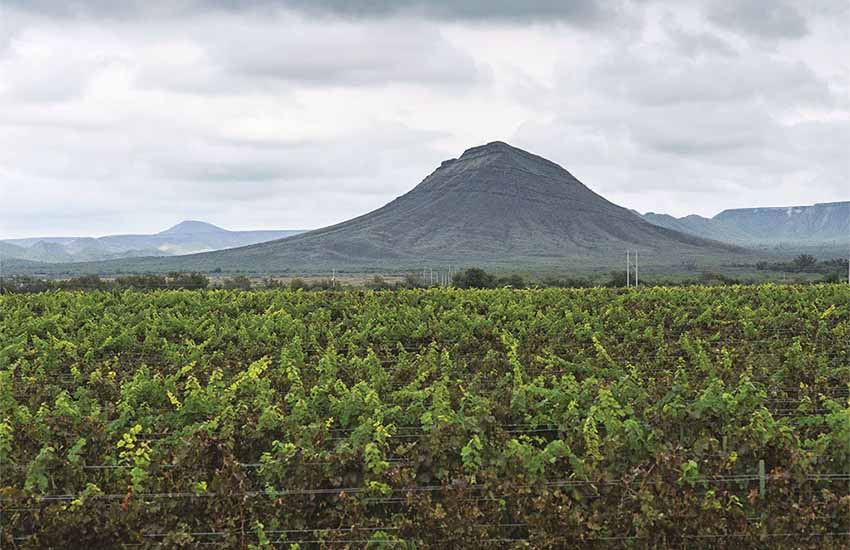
(442, 418)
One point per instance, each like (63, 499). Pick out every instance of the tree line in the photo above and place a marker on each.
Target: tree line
(832, 271)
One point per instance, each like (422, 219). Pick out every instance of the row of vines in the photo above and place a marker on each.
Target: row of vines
(443, 418)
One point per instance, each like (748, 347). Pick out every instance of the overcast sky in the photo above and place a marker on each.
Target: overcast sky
(286, 114)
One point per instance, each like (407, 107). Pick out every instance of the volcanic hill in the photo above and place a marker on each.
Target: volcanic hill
(495, 206)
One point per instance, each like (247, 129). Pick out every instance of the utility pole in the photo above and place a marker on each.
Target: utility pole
(628, 270)
(637, 273)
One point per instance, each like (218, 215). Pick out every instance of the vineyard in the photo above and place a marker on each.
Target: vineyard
(442, 418)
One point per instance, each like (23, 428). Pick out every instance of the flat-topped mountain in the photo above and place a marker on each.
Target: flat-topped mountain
(496, 205)
(823, 224)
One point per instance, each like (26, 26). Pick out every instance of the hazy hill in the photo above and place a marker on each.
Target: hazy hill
(496, 205)
(184, 238)
(9, 251)
(699, 226)
(820, 224)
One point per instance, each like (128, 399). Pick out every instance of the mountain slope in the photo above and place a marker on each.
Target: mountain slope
(820, 224)
(184, 238)
(701, 227)
(13, 251)
(189, 237)
(494, 206)
(494, 202)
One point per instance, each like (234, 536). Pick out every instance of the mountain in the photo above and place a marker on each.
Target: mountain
(187, 237)
(820, 224)
(193, 227)
(29, 241)
(9, 250)
(495, 206)
(699, 226)
(39, 251)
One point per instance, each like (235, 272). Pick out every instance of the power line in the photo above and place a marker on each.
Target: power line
(336, 491)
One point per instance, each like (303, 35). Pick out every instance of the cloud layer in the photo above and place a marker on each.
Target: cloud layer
(490, 10)
(120, 117)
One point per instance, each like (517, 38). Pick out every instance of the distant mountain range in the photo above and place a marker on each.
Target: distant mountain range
(187, 237)
(495, 206)
(820, 224)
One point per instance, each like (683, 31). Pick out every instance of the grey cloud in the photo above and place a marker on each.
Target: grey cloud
(225, 171)
(341, 54)
(43, 82)
(691, 43)
(277, 115)
(823, 144)
(702, 130)
(644, 78)
(191, 164)
(699, 147)
(686, 161)
(230, 55)
(226, 55)
(827, 8)
(307, 165)
(767, 19)
(509, 10)
(578, 10)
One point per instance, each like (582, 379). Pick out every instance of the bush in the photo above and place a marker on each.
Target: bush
(240, 282)
(474, 277)
(413, 280)
(85, 282)
(553, 282)
(835, 277)
(187, 280)
(709, 277)
(805, 262)
(513, 281)
(298, 283)
(270, 283)
(324, 284)
(141, 282)
(24, 285)
(378, 283)
(617, 279)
